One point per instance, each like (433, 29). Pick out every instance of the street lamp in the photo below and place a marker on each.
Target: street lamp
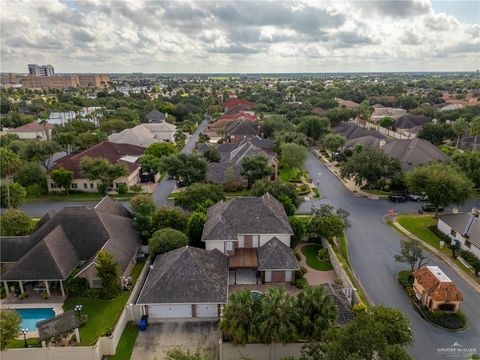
(24, 332)
(78, 309)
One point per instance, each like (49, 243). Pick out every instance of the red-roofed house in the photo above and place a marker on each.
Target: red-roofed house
(115, 153)
(434, 289)
(236, 105)
(33, 131)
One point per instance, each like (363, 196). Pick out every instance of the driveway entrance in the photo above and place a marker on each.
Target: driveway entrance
(193, 335)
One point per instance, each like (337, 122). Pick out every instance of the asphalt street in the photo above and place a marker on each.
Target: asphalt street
(372, 245)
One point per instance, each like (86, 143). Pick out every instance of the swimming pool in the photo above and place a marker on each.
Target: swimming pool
(30, 317)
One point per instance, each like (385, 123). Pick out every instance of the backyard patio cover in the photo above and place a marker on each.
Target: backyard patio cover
(57, 325)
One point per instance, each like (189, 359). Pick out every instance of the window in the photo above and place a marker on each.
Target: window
(85, 185)
(229, 246)
(91, 185)
(53, 185)
(453, 233)
(74, 186)
(468, 244)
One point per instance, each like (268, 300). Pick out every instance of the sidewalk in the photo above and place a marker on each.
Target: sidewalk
(449, 262)
(349, 184)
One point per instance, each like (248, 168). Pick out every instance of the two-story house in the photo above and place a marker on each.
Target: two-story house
(254, 232)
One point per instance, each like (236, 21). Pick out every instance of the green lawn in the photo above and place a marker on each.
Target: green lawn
(376, 192)
(344, 249)
(286, 173)
(20, 344)
(311, 255)
(102, 315)
(77, 197)
(127, 343)
(136, 271)
(418, 225)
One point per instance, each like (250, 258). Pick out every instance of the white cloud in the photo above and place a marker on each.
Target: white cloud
(243, 36)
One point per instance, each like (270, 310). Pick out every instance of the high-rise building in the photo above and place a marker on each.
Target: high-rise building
(41, 70)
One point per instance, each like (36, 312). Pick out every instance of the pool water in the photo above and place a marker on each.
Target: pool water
(30, 317)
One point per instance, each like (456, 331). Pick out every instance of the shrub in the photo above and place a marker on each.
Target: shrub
(301, 283)
(449, 320)
(471, 259)
(298, 255)
(45, 295)
(136, 188)
(165, 240)
(299, 227)
(405, 279)
(441, 235)
(360, 308)
(122, 189)
(75, 286)
(15, 223)
(323, 255)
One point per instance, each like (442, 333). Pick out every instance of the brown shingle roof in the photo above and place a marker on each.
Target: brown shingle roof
(111, 151)
(436, 289)
(32, 127)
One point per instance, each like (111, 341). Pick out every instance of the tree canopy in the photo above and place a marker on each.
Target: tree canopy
(189, 168)
(293, 155)
(197, 194)
(255, 168)
(165, 240)
(103, 170)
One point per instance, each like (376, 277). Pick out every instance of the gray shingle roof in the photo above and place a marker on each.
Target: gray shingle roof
(345, 312)
(413, 152)
(14, 247)
(72, 236)
(155, 116)
(465, 224)
(108, 205)
(57, 325)
(275, 255)
(352, 131)
(187, 275)
(216, 172)
(245, 215)
(409, 121)
(242, 127)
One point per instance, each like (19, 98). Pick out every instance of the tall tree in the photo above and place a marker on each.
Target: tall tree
(41, 151)
(10, 163)
(283, 191)
(189, 168)
(469, 163)
(12, 195)
(255, 168)
(333, 142)
(161, 149)
(103, 170)
(143, 208)
(109, 274)
(170, 217)
(365, 111)
(237, 322)
(63, 178)
(475, 130)
(9, 326)
(293, 155)
(460, 127)
(442, 184)
(165, 240)
(15, 223)
(411, 252)
(67, 140)
(314, 127)
(316, 312)
(197, 194)
(369, 165)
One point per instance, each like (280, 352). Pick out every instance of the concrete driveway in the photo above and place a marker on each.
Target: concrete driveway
(158, 339)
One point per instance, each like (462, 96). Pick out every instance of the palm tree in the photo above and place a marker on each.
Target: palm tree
(460, 126)
(276, 317)
(316, 312)
(238, 317)
(475, 130)
(11, 162)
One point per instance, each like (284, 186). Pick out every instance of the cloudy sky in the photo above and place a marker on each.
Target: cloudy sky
(240, 36)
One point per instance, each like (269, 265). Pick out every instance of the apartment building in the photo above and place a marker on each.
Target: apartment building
(41, 70)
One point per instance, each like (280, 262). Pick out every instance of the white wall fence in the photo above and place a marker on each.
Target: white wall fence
(106, 345)
(273, 351)
(385, 131)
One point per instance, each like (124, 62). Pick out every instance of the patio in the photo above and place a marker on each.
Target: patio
(33, 295)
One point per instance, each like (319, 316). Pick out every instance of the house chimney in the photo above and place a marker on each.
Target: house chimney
(455, 210)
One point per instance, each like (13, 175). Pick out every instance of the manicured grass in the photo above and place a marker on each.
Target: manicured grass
(127, 343)
(311, 255)
(20, 344)
(136, 271)
(102, 315)
(418, 225)
(344, 249)
(376, 192)
(242, 192)
(286, 173)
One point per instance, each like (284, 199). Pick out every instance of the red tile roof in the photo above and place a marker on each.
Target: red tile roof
(111, 151)
(437, 290)
(239, 115)
(230, 103)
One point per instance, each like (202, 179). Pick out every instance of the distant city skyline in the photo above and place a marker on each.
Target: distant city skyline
(241, 37)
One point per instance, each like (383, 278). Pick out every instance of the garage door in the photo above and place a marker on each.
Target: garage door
(207, 311)
(169, 311)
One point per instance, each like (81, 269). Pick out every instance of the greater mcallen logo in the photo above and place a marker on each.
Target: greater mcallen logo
(455, 350)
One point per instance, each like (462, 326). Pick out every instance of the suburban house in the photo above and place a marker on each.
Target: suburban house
(33, 131)
(90, 113)
(186, 283)
(156, 116)
(239, 129)
(145, 134)
(217, 129)
(434, 289)
(347, 103)
(228, 170)
(379, 112)
(265, 144)
(357, 135)
(413, 152)
(115, 153)
(410, 125)
(254, 232)
(233, 105)
(66, 243)
(463, 228)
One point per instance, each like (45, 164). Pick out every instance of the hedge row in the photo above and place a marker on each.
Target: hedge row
(449, 320)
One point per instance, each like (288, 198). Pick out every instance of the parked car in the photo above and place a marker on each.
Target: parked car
(431, 208)
(398, 198)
